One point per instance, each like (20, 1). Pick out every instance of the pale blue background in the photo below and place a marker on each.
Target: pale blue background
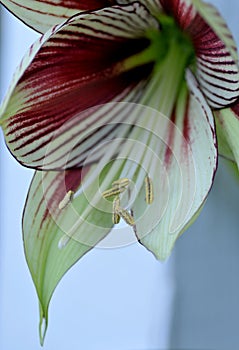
(121, 299)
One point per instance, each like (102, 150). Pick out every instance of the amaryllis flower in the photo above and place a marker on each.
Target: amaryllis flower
(125, 90)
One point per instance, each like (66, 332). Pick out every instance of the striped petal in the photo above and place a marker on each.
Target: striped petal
(218, 25)
(217, 63)
(227, 120)
(42, 15)
(68, 76)
(182, 177)
(57, 232)
(153, 5)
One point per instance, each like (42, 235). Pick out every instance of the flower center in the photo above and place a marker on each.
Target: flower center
(161, 43)
(172, 35)
(172, 52)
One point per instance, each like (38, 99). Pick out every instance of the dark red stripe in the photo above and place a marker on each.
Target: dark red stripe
(216, 68)
(67, 65)
(220, 78)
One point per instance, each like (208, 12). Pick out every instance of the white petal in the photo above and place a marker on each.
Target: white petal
(183, 175)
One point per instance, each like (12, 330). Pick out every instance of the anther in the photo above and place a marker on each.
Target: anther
(112, 192)
(66, 200)
(149, 196)
(125, 216)
(121, 183)
(115, 215)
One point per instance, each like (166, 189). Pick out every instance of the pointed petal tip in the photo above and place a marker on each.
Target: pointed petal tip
(43, 324)
(160, 255)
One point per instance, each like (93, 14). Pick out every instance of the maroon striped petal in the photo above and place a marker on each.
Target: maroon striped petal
(41, 15)
(182, 10)
(217, 68)
(67, 78)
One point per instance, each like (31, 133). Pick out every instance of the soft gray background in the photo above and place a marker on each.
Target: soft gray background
(121, 299)
(206, 304)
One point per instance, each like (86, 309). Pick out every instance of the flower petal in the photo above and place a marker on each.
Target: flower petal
(218, 25)
(70, 70)
(217, 60)
(41, 15)
(228, 122)
(224, 150)
(54, 238)
(184, 176)
(153, 5)
(182, 10)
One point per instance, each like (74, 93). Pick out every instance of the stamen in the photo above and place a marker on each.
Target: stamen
(118, 187)
(116, 206)
(134, 226)
(121, 183)
(66, 200)
(149, 197)
(125, 216)
(113, 192)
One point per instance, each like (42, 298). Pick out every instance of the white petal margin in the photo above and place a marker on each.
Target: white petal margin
(182, 188)
(42, 15)
(228, 121)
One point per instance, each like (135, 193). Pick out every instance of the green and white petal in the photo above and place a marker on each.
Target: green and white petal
(228, 121)
(184, 175)
(224, 150)
(42, 15)
(57, 234)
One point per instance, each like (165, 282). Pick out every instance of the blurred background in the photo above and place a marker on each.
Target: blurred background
(122, 299)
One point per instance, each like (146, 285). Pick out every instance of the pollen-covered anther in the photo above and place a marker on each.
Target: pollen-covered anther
(134, 226)
(115, 215)
(118, 187)
(121, 183)
(125, 215)
(149, 196)
(66, 200)
(112, 192)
